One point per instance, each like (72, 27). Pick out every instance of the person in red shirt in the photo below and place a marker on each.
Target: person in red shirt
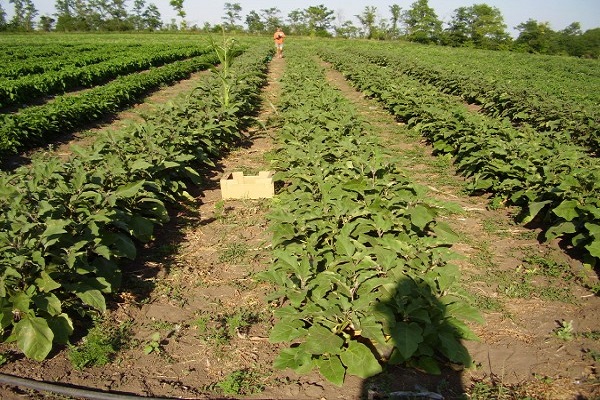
(279, 36)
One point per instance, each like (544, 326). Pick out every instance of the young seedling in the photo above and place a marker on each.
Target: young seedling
(565, 330)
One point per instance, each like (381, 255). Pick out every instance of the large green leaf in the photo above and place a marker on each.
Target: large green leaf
(321, 340)
(594, 248)
(332, 369)
(287, 330)
(407, 337)
(62, 327)
(129, 190)
(48, 302)
(360, 361)
(295, 358)
(567, 210)
(34, 337)
(90, 296)
(141, 228)
(421, 215)
(45, 283)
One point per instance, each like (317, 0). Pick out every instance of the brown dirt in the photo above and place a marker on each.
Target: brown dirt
(196, 277)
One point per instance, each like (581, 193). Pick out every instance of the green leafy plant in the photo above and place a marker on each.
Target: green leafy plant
(565, 330)
(359, 257)
(234, 252)
(226, 52)
(153, 344)
(66, 225)
(242, 382)
(99, 346)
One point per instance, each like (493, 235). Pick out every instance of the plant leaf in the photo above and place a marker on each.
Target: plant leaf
(34, 337)
(360, 361)
(332, 370)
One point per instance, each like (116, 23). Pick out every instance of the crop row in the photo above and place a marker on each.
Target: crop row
(568, 120)
(23, 52)
(36, 125)
(557, 183)
(66, 225)
(360, 258)
(30, 88)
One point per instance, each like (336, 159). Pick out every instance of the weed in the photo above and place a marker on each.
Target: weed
(241, 382)
(594, 335)
(220, 210)
(548, 267)
(4, 358)
(99, 346)
(222, 328)
(592, 355)
(487, 303)
(564, 330)
(496, 203)
(153, 345)
(484, 257)
(495, 389)
(234, 252)
(159, 325)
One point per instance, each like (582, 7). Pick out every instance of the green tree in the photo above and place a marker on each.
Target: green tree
(367, 19)
(297, 22)
(46, 23)
(589, 44)
(254, 23)
(2, 19)
(30, 13)
(347, 30)
(65, 20)
(271, 18)
(318, 19)
(232, 16)
(422, 23)
(137, 12)
(178, 7)
(479, 25)
(18, 19)
(458, 34)
(534, 37)
(118, 17)
(396, 12)
(151, 18)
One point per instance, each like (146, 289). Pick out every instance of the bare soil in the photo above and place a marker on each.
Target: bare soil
(191, 300)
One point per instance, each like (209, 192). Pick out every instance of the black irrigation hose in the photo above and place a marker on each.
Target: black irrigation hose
(77, 392)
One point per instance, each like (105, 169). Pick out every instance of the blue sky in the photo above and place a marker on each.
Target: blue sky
(559, 13)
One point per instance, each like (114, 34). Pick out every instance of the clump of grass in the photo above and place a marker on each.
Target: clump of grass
(234, 252)
(100, 345)
(242, 382)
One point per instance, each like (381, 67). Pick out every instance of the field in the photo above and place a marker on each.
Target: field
(435, 229)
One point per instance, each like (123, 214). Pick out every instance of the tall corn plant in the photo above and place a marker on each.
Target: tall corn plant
(225, 51)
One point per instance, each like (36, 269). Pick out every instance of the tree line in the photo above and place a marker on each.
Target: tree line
(479, 25)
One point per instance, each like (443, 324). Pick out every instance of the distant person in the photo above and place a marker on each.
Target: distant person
(279, 36)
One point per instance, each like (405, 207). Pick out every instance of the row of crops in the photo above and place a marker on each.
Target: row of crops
(67, 225)
(550, 94)
(85, 73)
(360, 254)
(35, 84)
(554, 180)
